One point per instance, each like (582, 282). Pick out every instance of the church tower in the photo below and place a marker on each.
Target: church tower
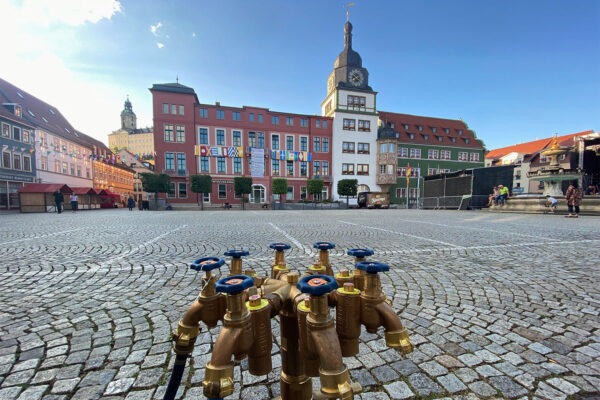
(128, 118)
(352, 104)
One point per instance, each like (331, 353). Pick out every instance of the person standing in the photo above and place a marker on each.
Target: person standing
(573, 196)
(58, 200)
(74, 202)
(130, 203)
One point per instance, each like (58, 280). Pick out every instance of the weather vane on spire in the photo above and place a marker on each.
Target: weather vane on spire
(348, 12)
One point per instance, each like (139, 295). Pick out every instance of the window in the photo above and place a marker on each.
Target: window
(44, 163)
(347, 169)
(324, 124)
(173, 108)
(349, 124)
(261, 140)
(303, 122)
(25, 136)
(460, 131)
(318, 123)
(474, 157)
(447, 130)
(445, 154)
(168, 133)
(5, 130)
(275, 167)
(317, 144)
(303, 143)
(235, 115)
(180, 109)
(462, 156)
(391, 147)
(317, 168)
(65, 168)
(289, 121)
(383, 147)
(252, 139)
(237, 138)
(5, 159)
(411, 135)
(325, 168)
(420, 128)
(203, 135)
(402, 152)
(363, 148)
(204, 164)
(289, 143)
(431, 171)
(401, 193)
(364, 125)
(56, 165)
(251, 117)
(180, 136)
(181, 167)
(260, 118)
(203, 113)
(356, 101)
(17, 133)
(275, 120)
(382, 168)
(439, 138)
(426, 137)
(347, 147)
(303, 192)
(87, 174)
(165, 108)
(220, 114)
(290, 193)
(433, 129)
(206, 197)
(303, 168)
(221, 167)
(289, 168)
(325, 145)
(169, 161)
(237, 165)
(275, 142)
(415, 153)
(171, 192)
(453, 139)
(26, 168)
(432, 154)
(466, 140)
(222, 191)
(220, 137)
(362, 169)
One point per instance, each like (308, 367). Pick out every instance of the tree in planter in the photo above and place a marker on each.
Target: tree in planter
(155, 183)
(279, 186)
(201, 184)
(242, 185)
(347, 187)
(314, 187)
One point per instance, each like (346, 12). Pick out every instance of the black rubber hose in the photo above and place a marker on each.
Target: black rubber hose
(176, 375)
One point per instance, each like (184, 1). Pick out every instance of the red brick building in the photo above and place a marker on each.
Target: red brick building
(194, 138)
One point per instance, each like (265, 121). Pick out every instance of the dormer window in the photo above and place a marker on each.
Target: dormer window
(453, 139)
(466, 140)
(447, 130)
(420, 128)
(433, 129)
(17, 110)
(405, 126)
(426, 137)
(45, 120)
(30, 113)
(20, 95)
(439, 138)
(392, 125)
(51, 111)
(411, 135)
(67, 130)
(460, 131)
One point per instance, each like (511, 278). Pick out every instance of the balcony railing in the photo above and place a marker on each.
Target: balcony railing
(355, 108)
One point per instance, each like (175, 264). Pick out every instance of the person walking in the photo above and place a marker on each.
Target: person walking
(58, 200)
(573, 196)
(130, 203)
(74, 202)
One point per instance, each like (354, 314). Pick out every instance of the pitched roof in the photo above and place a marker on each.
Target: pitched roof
(534, 146)
(173, 87)
(83, 190)
(45, 188)
(428, 125)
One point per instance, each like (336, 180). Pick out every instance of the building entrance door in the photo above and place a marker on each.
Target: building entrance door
(258, 194)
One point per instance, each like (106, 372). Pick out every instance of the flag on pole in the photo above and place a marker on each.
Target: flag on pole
(407, 174)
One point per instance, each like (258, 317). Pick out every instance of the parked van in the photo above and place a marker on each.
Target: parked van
(373, 200)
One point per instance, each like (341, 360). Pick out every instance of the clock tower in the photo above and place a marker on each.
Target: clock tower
(352, 104)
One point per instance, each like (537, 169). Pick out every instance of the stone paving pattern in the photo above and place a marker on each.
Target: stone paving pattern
(497, 305)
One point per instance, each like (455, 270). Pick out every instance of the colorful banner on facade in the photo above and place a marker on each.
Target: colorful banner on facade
(291, 155)
(257, 165)
(219, 151)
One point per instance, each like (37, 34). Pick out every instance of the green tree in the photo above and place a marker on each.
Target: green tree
(279, 186)
(155, 183)
(347, 187)
(201, 184)
(242, 185)
(314, 187)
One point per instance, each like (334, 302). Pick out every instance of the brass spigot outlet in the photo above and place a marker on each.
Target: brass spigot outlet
(279, 258)
(218, 381)
(316, 269)
(373, 286)
(236, 307)
(236, 267)
(184, 338)
(319, 309)
(337, 385)
(292, 278)
(399, 339)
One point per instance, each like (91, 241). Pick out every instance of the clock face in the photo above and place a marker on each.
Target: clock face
(356, 77)
(330, 84)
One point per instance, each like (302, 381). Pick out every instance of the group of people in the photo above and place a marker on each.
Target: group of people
(573, 196)
(59, 199)
(499, 195)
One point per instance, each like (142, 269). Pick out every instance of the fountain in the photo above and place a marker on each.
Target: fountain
(554, 175)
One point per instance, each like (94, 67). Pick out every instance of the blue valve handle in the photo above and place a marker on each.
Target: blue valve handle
(324, 245)
(236, 253)
(207, 263)
(234, 284)
(372, 267)
(360, 253)
(279, 246)
(317, 285)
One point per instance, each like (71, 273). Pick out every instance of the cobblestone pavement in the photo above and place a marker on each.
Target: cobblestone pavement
(497, 305)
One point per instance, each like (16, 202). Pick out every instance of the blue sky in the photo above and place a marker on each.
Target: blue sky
(513, 71)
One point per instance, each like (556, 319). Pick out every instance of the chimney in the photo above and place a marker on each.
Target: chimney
(217, 103)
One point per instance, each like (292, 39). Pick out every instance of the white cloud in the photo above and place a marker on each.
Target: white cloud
(68, 12)
(154, 28)
(159, 45)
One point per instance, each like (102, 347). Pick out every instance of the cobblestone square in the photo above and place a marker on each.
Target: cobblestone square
(497, 305)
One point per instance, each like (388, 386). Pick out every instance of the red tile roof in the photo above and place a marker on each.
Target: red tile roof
(535, 146)
(427, 134)
(83, 190)
(45, 188)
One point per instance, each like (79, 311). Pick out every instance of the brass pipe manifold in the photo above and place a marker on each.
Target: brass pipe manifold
(259, 356)
(347, 319)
